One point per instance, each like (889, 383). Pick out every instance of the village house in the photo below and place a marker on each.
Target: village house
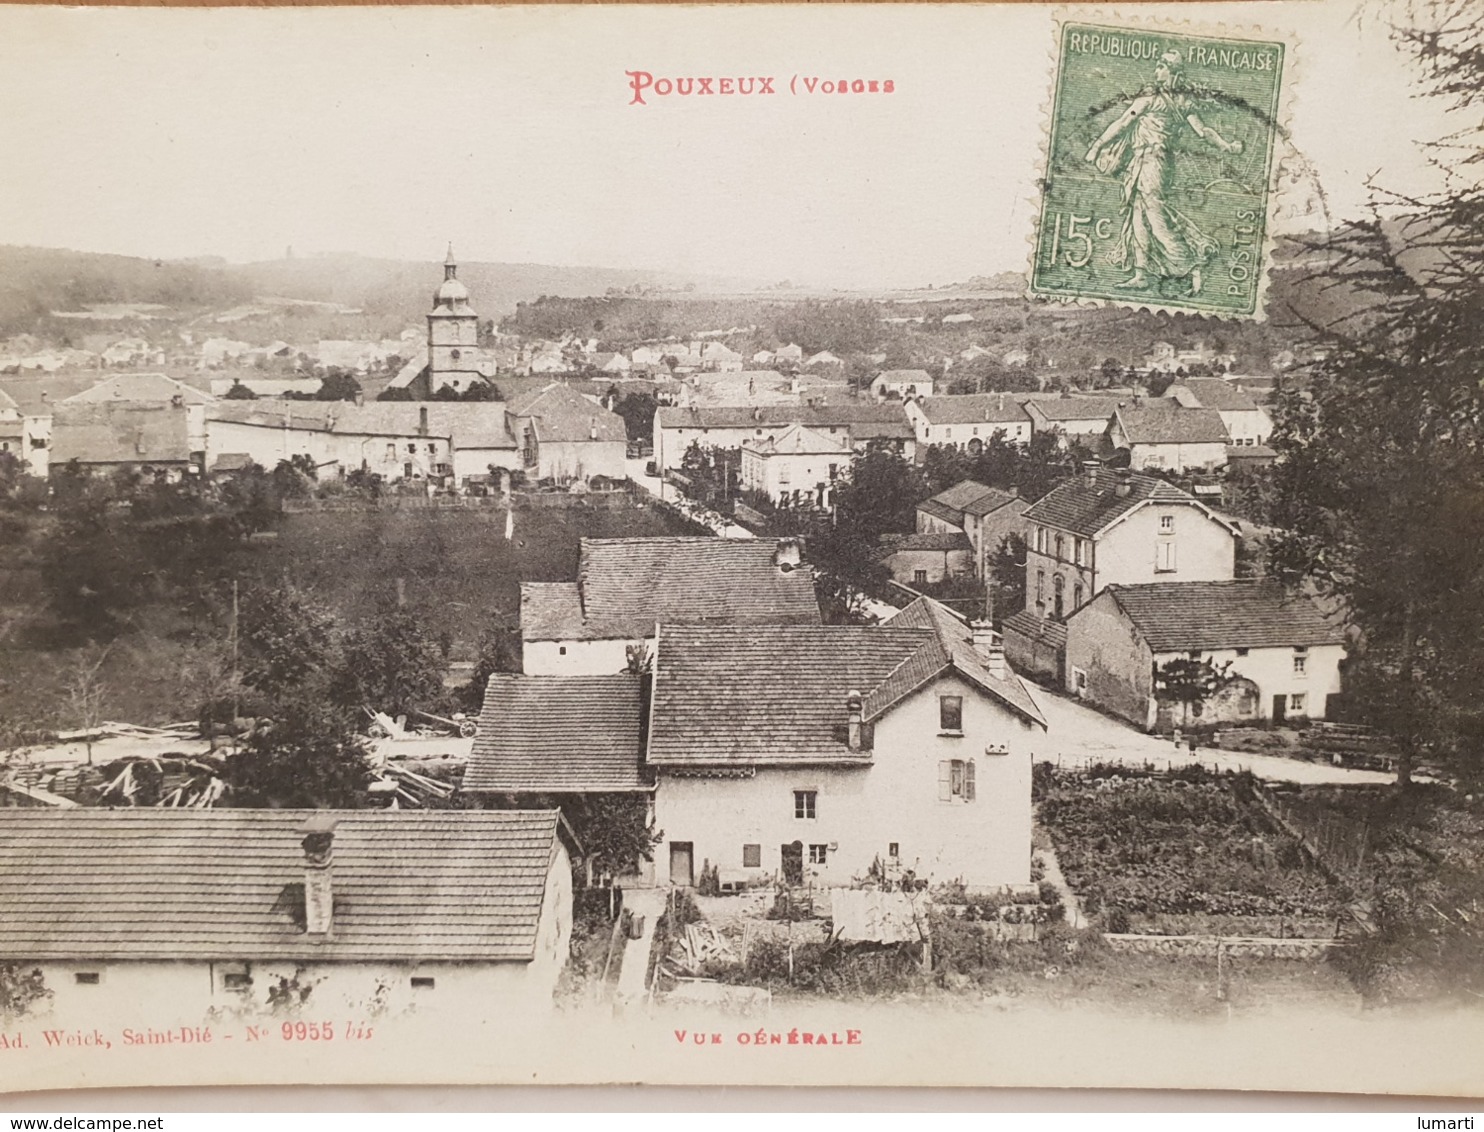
(143, 422)
(717, 357)
(1083, 418)
(1278, 657)
(798, 469)
(626, 586)
(1161, 434)
(790, 355)
(986, 516)
(815, 753)
(926, 558)
(860, 423)
(902, 384)
(13, 430)
(567, 437)
(1101, 528)
(1247, 423)
(969, 421)
(460, 914)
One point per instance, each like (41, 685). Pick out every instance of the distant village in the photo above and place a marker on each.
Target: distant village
(937, 765)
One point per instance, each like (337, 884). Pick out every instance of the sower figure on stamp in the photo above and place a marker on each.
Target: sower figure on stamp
(1156, 239)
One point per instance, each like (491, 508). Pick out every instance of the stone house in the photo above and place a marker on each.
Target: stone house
(1164, 435)
(969, 420)
(798, 468)
(985, 515)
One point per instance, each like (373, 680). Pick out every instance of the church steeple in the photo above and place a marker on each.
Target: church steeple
(453, 333)
(450, 265)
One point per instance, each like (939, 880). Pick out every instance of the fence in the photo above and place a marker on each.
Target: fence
(1337, 843)
(552, 500)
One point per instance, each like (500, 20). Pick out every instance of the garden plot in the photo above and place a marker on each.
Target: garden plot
(1182, 854)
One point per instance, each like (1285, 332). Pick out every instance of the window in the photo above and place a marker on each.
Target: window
(412, 449)
(423, 982)
(1077, 596)
(1243, 652)
(1041, 540)
(752, 856)
(919, 577)
(87, 978)
(391, 451)
(1061, 547)
(804, 803)
(818, 854)
(1167, 524)
(1300, 662)
(783, 475)
(951, 713)
(561, 650)
(1164, 558)
(1296, 703)
(1081, 551)
(893, 850)
(1040, 587)
(236, 980)
(956, 780)
(1079, 680)
(834, 472)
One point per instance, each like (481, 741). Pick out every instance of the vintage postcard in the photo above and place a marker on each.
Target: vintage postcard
(789, 545)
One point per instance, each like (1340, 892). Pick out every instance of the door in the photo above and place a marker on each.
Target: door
(793, 863)
(682, 863)
(1280, 708)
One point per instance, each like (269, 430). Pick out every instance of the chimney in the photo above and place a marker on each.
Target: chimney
(1090, 472)
(788, 554)
(853, 716)
(319, 856)
(1125, 483)
(592, 429)
(360, 397)
(422, 420)
(793, 383)
(990, 647)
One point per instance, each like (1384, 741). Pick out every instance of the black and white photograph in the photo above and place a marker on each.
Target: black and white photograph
(911, 545)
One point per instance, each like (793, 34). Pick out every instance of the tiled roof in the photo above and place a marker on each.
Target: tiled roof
(1170, 424)
(469, 424)
(142, 387)
(1185, 616)
(551, 611)
(559, 734)
(1086, 510)
(1032, 627)
(153, 883)
(933, 540)
(955, 641)
(939, 510)
(692, 581)
(849, 413)
(974, 408)
(905, 376)
(992, 500)
(798, 440)
(964, 498)
(1075, 408)
(767, 693)
(562, 415)
(120, 432)
(1214, 393)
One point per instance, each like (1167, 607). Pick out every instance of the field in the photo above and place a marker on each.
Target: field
(1175, 856)
(456, 569)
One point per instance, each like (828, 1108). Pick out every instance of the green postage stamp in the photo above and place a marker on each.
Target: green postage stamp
(1160, 170)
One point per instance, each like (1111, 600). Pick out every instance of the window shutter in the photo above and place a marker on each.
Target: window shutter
(945, 780)
(968, 780)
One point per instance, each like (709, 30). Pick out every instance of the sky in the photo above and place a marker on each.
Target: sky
(389, 132)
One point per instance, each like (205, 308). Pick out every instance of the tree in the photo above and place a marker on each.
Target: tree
(637, 411)
(86, 691)
(391, 663)
(338, 386)
(306, 756)
(942, 467)
(1380, 485)
(1007, 576)
(287, 641)
(239, 392)
(880, 495)
(1189, 682)
(615, 831)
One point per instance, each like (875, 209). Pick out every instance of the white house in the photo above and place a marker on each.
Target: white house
(565, 436)
(801, 466)
(726, 426)
(902, 384)
(1280, 658)
(1247, 423)
(140, 913)
(969, 421)
(816, 752)
(626, 586)
(1162, 434)
(1081, 417)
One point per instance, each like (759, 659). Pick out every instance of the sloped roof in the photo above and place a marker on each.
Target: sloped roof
(1074, 505)
(965, 497)
(974, 408)
(468, 424)
(931, 540)
(1214, 393)
(120, 432)
(153, 883)
(1185, 616)
(559, 734)
(905, 377)
(1074, 408)
(141, 387)
(562, 415)
(7, 402)
(1170, 424)
(847, 413)
(797, 440)
(767, 693)
(1028, 624)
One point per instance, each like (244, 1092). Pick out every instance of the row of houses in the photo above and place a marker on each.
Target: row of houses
(150, 421)
(698, 673)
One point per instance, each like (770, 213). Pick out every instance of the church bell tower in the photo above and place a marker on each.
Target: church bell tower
(453, 334)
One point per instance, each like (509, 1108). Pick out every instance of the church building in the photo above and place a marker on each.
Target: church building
(453, 334)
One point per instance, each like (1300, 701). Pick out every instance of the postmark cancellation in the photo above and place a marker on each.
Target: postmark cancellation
(1158, 185)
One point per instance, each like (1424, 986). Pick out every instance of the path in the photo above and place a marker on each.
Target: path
(648, 903)
(1077, 736)
(668, 493)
